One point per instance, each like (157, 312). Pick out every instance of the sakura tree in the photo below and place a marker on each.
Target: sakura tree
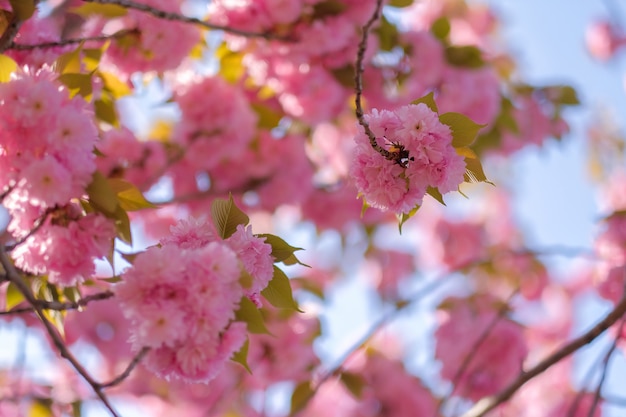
(187, 184)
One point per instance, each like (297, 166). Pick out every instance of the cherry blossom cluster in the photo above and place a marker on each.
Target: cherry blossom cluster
(488, 367)
(181, 298)
(423, 157)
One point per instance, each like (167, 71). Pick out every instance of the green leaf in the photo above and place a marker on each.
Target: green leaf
(129, 196)
(227, 216)
(281, 250)
(464, 56)
(231, 63)
(278, 291)
(7, 67)
(474, 171)
(106, 10)
(77, 83)
(114, 85)
(112, 280)
(251, 315)
(400, 3)
(344, 75)
(293, 260)
(13, 296)
(69, 62)
(91, 58)
(354, 382)
(301, 395)
(440, 28)
(241, 357)
(101, 195)
(429, 100)
(106, 111)
(122, 225)
(77, 408)
(436, 194)
(23, 9)
(406, 216)
(328, 8)
(310, 286)
(41, 407)
(563, 94)
(268, 117)
(464, 129)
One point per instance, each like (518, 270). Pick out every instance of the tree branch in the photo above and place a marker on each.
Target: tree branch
(358, 82)
(59, 306)
(162, 14)
(487, 404)
(16, 279)
(66, 42)
(117, 380)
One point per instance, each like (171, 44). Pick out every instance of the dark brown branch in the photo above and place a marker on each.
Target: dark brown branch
(66, 42)
(56, 338)
(358, 82)
(162, 14)
(59, 306)
(487, 404)
(117, 380)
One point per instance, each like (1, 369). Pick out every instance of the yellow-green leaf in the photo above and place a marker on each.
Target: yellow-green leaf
(107, 10)
(129, 196)
(231, 66)
(387, 34)
(354, 382)
(401, 3)
(464, 129)
(69, 62)
(464, 56)
(241, 357)
(106, 111)
(406, 216)
(268, 117)
(429, 100)
(436, 194)
(440, 28)
(40, 408)
(101, 195)
(281, 250)
(7, 67)
(466, 152)
(278, 291)
(344, 75)
(328, 8)
(13, 296)
(474, 171)
(251, 315)
(114, 85)
(301, 395)
(77, 83)
(227, 216)
(122, 225)
(23, 9)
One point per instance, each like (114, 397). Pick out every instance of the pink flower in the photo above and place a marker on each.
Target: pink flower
(494, 364)
(255, 255)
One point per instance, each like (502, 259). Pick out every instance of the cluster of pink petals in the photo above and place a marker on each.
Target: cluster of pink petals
(181, 298)
(160, 44)
(181, 303)
(217, 122)
(604, 39)
(498, 359)
(432, 160)
(66, 252)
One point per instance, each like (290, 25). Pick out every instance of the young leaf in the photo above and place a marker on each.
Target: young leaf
(464, 129)
(429, 100)
(241, 357)
(7, 67)
(251, 315)
(281, 250)
(77, 84)
(122, 225)
(474, 171)
(440, 28)
(110, 11)
(302, 393)
(278, 291)
(406, 216)
(227, 216)
(129, 196)
(13, 296)
(464, 56)
(401, 3)
(101, 195)
(436, 194)
(23, 9)
(354, 382)
(106, 111)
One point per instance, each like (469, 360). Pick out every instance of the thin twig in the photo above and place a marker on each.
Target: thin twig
(59, 306)
(358, 82)
(162, 14)
(487, 404)
(40, 222)
(117, 380)
(15, 278)
(66, 42)
(605, 366)
(474, 350)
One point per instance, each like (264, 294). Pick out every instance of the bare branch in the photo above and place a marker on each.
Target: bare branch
(162, 14)
(487, 404)
(56, 338)
(358, 82)
(66, 42)
(117, 380)
(59, 306)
